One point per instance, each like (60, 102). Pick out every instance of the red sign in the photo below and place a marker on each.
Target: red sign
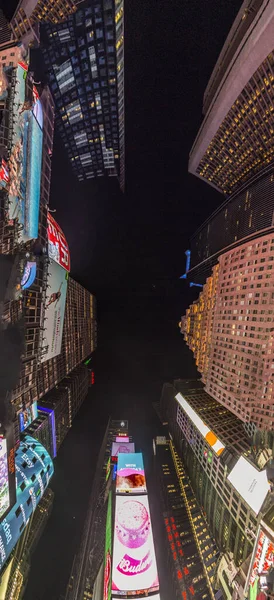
(4, 173)
(264, 557)
(57, 244)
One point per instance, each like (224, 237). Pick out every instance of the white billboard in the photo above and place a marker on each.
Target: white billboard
(206, 432)
(251, 484)
(54, 310)
(134, 564)
(4, 478)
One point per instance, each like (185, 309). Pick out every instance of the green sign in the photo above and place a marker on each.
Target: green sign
(107, 571)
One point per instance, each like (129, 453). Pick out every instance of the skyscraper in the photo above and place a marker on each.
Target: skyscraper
(233, 150)
(190, 552)
(229, 330)
(216, 456)
(84, 59)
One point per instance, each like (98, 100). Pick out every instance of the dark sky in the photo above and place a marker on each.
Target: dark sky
(129, 248)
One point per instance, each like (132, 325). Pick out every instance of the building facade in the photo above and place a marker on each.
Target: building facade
(229, 331)
(84, 63)
(211, 441)
(233, 150)
(14, 577)
(187, 536)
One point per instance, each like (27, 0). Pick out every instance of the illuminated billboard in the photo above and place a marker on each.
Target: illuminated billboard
(27, 416)
(54, 310)
(134, 564)
(206, 432)
(250, 483)
(107, 569)
(4, 478)
(58, 249)
(28, 275)
(34, 469)
(4, 174)
(25, 161)
(122, 438)
(130, 474)
(261, 562)
(122, 448)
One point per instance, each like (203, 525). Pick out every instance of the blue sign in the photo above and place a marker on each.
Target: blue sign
(28, 275)
(130, 473)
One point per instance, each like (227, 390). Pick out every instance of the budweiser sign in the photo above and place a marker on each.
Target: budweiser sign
(131, 566)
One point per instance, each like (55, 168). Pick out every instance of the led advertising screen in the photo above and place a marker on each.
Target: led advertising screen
(27, 416)
(107, 569)
(130, 474)
(28, 275)
(54, 310)
(58, 249)
(251, 484)
(122, 448)
(4, 478)
(134, 564)
(25, 161)
(4, 174)
(122, 438)
(32, 459)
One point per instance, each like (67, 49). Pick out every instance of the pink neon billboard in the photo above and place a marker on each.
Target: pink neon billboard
(134, 564)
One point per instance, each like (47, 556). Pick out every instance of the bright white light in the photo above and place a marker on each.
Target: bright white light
(134, 564)
(251, 484)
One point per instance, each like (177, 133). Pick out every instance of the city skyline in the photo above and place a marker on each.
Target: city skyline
(69, 233)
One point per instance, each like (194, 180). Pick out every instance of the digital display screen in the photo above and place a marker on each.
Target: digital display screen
(28, 275)
(25, 160)
(27, 416)
(107, 569)
(55, 310)
(130, 474)
(134, 563)
(58, 249)
(4, 478)
(122, 438)
(122, 448)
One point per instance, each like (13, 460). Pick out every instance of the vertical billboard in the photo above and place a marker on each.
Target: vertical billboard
(54, 310)
(27, 416)
(130, 474)
(4, 478)
(134, 564)
(25, 161)
(58, 249)
(107, 569)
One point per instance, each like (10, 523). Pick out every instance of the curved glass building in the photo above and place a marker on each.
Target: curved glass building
(34, 469)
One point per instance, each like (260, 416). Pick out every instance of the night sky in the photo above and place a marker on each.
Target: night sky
(129, 248)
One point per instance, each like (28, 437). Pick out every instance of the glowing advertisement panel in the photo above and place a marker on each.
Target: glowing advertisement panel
(134, 563)
(107, 569)
(27, 416)
(262, 559)
(28, 275)
(208, 435)
(28, 495)
(58, 249)
(130, 474)
(4, 173)
(251, 484)
(122, 448)
(122, 438)
(25, 160)
(4, 478)
(54, 310)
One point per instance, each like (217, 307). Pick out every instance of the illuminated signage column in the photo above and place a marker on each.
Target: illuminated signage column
(134, 569)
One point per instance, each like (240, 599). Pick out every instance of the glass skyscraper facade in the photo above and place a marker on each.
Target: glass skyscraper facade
(84, 64)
